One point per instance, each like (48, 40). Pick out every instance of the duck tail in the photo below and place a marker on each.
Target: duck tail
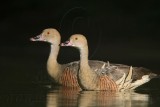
(153, 75)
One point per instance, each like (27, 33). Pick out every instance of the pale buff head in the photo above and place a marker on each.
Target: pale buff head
(77, 40)
(48, 35)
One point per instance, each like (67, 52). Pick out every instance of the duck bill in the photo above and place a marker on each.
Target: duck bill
(67, 43)
(37, 38)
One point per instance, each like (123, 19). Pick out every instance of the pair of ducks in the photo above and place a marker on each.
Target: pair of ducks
(89, 74)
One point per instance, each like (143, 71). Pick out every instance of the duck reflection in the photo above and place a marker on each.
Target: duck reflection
(64, 96)
(69, 97)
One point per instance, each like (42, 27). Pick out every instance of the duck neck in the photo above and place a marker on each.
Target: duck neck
(84, 58)
(86, 75)
(52, 64)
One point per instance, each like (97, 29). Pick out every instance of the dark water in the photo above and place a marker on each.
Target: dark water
(63, 97)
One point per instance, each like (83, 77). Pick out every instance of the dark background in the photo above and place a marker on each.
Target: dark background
(121, 31)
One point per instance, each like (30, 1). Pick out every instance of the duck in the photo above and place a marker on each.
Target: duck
(109, 76)
(63, 74)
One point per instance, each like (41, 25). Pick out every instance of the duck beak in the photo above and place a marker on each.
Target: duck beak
(67, 43)
(37, 38)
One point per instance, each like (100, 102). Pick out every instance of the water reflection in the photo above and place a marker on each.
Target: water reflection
(63, 97)
(75, 98)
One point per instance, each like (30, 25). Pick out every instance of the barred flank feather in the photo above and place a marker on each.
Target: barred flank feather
(105, 83)
(68, 78)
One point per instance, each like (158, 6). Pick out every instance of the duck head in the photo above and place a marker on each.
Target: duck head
(49, 35)
(77, 40)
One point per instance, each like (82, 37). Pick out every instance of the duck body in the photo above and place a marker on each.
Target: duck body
(109, 74)
(99, 75)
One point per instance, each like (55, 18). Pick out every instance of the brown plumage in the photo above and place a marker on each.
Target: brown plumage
(68, 78)
(99, 75)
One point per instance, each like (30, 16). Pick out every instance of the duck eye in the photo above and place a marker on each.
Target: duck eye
(76, 38)
(48, 33)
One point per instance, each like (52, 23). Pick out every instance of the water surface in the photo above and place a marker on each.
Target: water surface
(42, 96)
